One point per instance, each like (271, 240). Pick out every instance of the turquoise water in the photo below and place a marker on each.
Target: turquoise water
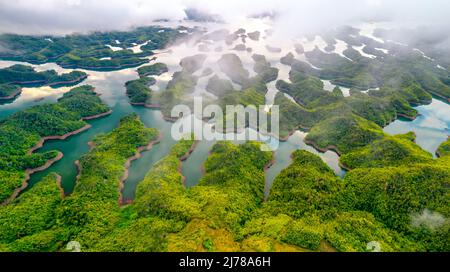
(110, 85)
(431, 126)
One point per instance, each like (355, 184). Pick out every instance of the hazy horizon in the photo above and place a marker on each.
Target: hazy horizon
(65, 17)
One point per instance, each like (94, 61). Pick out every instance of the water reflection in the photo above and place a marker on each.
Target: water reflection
(431, 126)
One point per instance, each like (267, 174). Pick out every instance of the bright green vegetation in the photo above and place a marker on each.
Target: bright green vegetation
(389, 151)
(312, 208)
(305, 209)
(92, 209)
(394, 193)
(88, 51)
(250, 98)
(309, 208)
(444, 149)
(24, 221)
(138, 90)
(317, 191)
(23, 130)
(39, 220)
(16, 76)
(344, 133)
(153, 70)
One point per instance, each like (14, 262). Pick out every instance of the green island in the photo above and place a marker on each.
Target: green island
(16, 76)
(138, 90)
(309, 207)
(25, 131)
(393, 193)
(153, 70)
(89, 51)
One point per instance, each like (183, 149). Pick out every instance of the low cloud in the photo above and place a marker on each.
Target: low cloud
(67, 16)
(428, 219)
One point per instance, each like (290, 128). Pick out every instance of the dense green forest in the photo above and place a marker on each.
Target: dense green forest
(139, 91)
(88, 51)
(394, 193)
(91, 210)
(153, 70)
(226, 212)
(23, 130)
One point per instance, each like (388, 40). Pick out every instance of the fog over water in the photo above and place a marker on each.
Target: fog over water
(68, 16)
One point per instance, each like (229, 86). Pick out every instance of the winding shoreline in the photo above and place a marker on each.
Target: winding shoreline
(266, 168)
(13, 95)
(29, 172)
(325, 149)
(105, 68)
(184, 158)
(44, 82)
(65, 136)
(127, 165)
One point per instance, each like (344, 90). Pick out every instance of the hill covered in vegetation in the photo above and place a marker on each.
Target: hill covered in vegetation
(23, 132)
(89, 51)
(16, 76)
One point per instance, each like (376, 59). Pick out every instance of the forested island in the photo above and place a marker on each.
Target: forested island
(392, 191)
(225, 212)
(90, 52)
(24, 132)
(16, 76)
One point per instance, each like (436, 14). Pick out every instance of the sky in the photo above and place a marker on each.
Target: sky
(68, 16)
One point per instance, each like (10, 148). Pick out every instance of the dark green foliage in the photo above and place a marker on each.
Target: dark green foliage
(16, 76)
(153, 70)
(8, 90)
(87, 51)
(307, 90)
(26, 75)
(396, 194)
(138, 90)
